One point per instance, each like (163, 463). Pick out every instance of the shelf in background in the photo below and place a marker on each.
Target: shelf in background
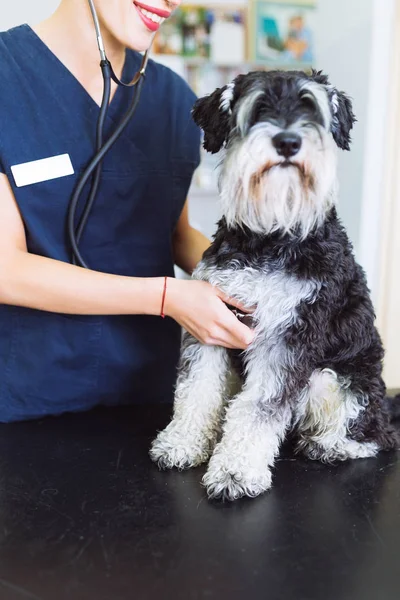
(198, 61)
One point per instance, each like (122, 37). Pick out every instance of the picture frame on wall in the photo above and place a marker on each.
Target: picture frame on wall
(282, 33)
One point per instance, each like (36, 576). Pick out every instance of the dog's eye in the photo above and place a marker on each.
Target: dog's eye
(308, 101)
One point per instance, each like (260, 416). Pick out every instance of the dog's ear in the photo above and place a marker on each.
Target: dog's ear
(343, 117)
(213, 113)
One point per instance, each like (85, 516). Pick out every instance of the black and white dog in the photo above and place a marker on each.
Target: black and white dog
(315, 366)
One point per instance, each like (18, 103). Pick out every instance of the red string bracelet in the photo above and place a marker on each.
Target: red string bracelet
(163, 297)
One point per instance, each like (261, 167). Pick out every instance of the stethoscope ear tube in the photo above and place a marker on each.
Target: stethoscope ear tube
(103, 56)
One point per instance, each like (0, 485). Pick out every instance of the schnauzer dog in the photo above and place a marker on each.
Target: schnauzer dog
(315, 365)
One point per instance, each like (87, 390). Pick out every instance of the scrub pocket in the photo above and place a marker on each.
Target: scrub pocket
(54, 361)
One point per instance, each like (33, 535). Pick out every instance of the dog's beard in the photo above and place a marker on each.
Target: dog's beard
(261, 191)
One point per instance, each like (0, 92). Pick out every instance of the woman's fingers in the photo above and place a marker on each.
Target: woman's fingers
(200, 309)
(239, 334)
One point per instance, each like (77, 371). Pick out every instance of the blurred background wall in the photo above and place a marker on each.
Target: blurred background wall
(25, 11)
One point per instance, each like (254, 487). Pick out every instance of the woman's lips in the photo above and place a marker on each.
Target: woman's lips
(157, 11)
(151, 17)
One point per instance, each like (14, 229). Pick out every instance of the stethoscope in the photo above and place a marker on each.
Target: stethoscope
(95, 166)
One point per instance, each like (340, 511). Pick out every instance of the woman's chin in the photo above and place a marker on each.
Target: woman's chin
(139, 42)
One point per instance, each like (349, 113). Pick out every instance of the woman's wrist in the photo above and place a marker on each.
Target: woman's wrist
(157, 295)
(171, 288)
(162, 312)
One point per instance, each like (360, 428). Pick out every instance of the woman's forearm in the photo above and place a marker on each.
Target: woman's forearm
(45, 284)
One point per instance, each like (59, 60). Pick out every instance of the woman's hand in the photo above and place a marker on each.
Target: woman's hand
(200, 309)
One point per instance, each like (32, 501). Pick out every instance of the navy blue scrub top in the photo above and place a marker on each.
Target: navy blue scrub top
(51, 363)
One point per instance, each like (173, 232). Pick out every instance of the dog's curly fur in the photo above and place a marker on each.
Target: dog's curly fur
(315, 366)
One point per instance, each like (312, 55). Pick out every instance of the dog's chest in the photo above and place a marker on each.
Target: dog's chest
(275, 294)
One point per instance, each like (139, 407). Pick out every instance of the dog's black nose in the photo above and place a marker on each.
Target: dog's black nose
(287, 143)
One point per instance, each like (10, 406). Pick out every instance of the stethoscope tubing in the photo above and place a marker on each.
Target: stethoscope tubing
(95, 161)
(94, 168)
(97, 173)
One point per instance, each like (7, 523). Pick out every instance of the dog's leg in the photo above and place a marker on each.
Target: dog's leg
(326, 414)
(199, 400)
(374, 422)
(255, 425)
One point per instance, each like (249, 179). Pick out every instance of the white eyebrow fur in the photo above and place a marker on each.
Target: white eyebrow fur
(246, 106)
(321, 96)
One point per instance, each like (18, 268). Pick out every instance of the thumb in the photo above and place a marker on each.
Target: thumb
(235, 303)
(242, 332)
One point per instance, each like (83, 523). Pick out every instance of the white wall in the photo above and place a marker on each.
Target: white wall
(354, 45)
(343, 48)
(16, 12)
(378, 152)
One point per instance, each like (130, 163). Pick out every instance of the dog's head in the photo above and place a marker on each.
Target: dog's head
(280, 131)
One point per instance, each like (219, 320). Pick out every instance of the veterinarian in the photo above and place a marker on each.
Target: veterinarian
(73, 338)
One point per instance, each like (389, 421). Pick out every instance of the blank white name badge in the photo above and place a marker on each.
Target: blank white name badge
(42, 170)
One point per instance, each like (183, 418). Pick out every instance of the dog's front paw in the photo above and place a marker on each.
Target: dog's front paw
(178, 447)
(229, 478)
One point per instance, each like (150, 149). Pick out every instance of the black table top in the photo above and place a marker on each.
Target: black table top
(85, 515)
